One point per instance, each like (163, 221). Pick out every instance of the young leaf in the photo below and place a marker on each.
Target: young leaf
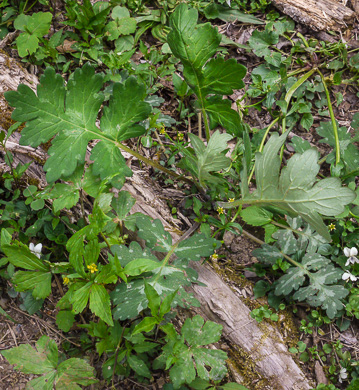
(210, 158)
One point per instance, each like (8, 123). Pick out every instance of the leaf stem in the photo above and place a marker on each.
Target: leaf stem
(206, 124)
(332, 117)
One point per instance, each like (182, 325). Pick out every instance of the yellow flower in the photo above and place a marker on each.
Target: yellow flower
(220, 210)
(162, 131)
(92, 268)
(231, 200)
(331, 226)
(66, 280)
(180, 136)
(214, 256)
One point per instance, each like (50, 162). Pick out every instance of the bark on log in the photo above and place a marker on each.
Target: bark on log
(263, 344)
(317, 14)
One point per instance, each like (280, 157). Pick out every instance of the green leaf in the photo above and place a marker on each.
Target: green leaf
(210, 158)
(80, 297)
(153, 233)
(123, 204)
(220, 76)
(139, 366)
(267, 254)
(20, 256)
(227, 14)
(197, 333)
(194, 44)
(220, 112)
(154, 300)
(72, 372)
(39, 281)
(146, 325)
(294, 190)
(65, 320)
(66, 196)
(100, 303)
(140, 266)
(71, 114)
(261, 40)
(196, 247)
(233, 386)
(256, 216)
(36, 26)
(29, 361)
(320, 292)
(26, 44)
(209, 363)
(348, 150)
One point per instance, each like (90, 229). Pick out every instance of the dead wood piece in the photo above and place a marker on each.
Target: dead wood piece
(317, 14)
(219, 303)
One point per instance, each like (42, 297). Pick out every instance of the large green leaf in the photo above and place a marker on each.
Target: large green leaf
(70, 114)
(295, 190)
(194, 44)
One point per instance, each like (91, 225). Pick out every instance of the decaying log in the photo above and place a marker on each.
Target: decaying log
(317, 14)
(263, 344)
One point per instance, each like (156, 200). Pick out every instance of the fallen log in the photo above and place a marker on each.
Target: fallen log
(317, 14)
(262, 344)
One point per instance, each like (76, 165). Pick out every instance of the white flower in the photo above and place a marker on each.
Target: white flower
(347, 275)
(342, 374)
(36, 250)
(351, 253)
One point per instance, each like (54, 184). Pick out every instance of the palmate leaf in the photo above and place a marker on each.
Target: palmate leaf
(44, 360)
(70, 114)
(209, 363)
(321, 291)
(295, 190)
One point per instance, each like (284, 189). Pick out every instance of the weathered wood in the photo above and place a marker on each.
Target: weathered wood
(263, 344)
(317, 14)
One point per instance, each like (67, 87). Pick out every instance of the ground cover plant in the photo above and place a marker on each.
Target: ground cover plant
(106, 73)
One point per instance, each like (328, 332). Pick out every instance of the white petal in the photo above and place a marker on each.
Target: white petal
(37, 248)
(346, 276)
(347, 252)
(353, 251)
(31, 246)
(353, 278)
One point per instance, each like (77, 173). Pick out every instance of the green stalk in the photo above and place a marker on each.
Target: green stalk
(332, 117)
(206, 124)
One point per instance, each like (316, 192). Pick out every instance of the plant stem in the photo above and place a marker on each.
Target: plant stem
(206, 125)
(332, 117)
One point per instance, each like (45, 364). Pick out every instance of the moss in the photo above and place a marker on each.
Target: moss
(243, 363)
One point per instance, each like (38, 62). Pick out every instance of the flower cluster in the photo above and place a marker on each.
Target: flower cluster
(92, 268)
